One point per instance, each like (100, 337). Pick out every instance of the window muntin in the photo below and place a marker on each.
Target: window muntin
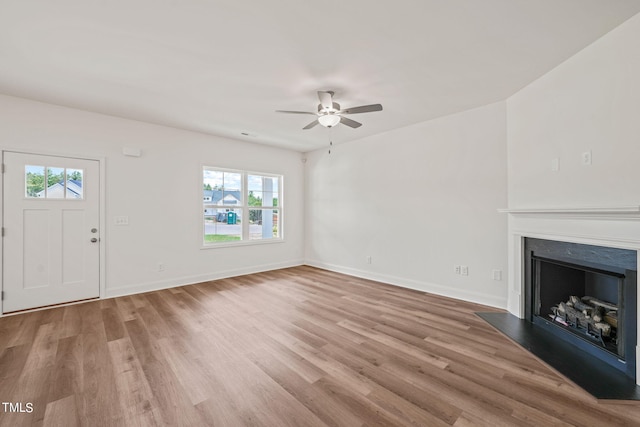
(239, 206)
(47, 182)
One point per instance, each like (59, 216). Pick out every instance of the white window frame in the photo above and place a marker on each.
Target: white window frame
(244, 207)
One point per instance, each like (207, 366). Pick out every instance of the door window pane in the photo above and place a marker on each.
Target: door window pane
(55, 183)
(46, 182)
(34, 181)
(74, 183)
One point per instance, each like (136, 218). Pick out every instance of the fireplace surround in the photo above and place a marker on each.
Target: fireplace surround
(568, 285)
(615, 227)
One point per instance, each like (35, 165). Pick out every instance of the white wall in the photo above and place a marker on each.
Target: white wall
(590, 102)
(417, 200)
(160, 192)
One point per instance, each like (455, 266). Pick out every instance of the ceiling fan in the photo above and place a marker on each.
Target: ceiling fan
(329, 112)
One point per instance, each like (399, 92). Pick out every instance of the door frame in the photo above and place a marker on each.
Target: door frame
(102, 277)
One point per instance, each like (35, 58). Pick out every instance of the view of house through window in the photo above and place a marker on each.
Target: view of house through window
(47, 182)
(240, 206)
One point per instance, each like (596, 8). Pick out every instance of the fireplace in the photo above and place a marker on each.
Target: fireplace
(584, 295)
(583, 231)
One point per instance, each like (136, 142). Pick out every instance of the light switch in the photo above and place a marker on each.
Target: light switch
(121, 220)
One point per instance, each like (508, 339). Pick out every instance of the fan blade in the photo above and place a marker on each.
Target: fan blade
(310, 125)
(296, 112)
(349, 122)
(326, 99)
(363, 109)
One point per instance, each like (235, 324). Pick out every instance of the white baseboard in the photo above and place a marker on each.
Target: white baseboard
(189, 280)
(433, 288)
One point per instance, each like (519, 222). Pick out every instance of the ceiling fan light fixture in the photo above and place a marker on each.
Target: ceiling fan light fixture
(329, 113)
(335, 107)
(329, 120)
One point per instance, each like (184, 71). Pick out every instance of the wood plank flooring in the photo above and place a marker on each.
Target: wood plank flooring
(294, 347)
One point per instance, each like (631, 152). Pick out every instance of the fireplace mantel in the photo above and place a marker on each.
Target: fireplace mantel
(610, 226)
(593, 212)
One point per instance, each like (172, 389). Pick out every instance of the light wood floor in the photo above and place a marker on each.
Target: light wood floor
(295, 347)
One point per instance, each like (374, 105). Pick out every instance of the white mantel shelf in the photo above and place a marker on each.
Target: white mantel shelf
(600, 211)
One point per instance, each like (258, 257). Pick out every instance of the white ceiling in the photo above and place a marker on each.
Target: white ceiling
(223, 67)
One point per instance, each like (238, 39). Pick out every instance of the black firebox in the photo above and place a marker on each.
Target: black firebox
(584, 295)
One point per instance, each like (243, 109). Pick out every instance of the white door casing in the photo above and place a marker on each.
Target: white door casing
(51, 249)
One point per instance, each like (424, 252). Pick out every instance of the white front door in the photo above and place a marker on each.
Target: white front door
(51, 238)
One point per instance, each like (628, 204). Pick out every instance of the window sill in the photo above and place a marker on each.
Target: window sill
(241, 243)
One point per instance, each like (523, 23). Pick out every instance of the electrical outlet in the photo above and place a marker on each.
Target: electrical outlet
(161, 267)
(369, 259)
(457, 269)
(586, 158)
(497, 275)
(555, 164)
(464, 270)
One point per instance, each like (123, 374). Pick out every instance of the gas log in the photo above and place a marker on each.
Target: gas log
(596, 302)
(585, 315)
(611, 318)
(576, 303)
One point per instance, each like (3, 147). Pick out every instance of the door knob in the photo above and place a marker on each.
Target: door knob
(94, 240)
